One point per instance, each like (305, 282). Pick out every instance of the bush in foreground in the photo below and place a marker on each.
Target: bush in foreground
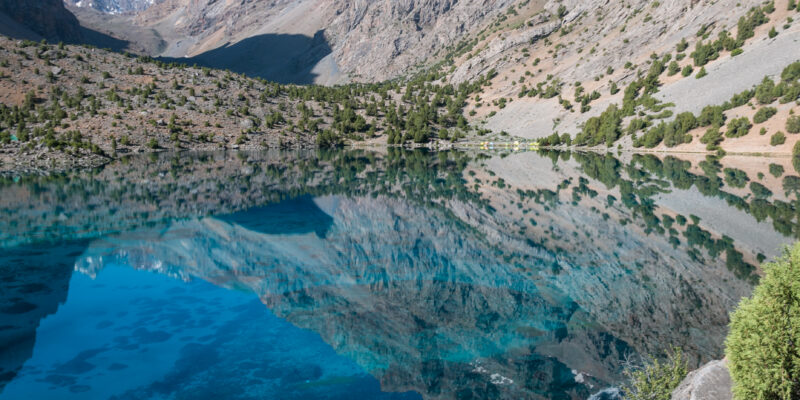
(762, 346)
(655, 380)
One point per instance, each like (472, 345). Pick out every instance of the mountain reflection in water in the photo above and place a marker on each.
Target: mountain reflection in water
(401, 274)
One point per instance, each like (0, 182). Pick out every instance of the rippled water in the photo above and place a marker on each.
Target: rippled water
(376, 275)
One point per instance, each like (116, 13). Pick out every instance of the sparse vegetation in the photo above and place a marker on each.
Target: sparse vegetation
(655, 379)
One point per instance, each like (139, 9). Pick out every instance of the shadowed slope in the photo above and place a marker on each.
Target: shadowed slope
(275, 57)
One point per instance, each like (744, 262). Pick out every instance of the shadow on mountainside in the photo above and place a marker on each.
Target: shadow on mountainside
(34, 280)
(13, 29)
(290, 217)
(275, 57)
(102, 40)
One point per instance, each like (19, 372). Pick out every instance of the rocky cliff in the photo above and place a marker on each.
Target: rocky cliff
(48, 18)
(368, 40)
(114, 6)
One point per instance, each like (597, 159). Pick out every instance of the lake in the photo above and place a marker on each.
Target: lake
(387, 274)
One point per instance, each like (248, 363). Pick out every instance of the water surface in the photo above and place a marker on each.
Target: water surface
(376, 275)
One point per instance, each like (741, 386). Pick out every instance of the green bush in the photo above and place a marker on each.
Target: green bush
(701, 73)
(673, 68)
(777, 139)
(655, 380)
(764, 334)
(766, 91)
(738, 127)
(776, 170)
(793, 124)
(792, 72)
(772, 33)
(711, 115)
(764, 114)
(682, 45)
(712, 138)
(687, 70)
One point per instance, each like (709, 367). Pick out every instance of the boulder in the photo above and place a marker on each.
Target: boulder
(709, 382)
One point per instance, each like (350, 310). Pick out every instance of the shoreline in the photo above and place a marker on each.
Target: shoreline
(50, 162)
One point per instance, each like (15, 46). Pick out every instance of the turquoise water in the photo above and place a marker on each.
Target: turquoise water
(353, 274)
(132, 334)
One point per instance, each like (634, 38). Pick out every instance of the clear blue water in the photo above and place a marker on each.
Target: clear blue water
(358, 275)
(132, 334)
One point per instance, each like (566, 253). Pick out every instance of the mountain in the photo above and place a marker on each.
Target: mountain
(555, 66)
(43, 18)
(114, 6)
(671, 76)
(365, 40)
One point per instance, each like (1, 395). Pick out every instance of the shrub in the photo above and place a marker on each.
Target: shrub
(738, 127)
(673, 68)
(777, 139)
(711, 115)
(764, 332)
(764, 114)
(682, 45)
(701, 73)
(711, 138)
(772, 33)
(766, 91)
(655, 380)
(793, 124)
(792, 72)
(776, 170)
(687, 70)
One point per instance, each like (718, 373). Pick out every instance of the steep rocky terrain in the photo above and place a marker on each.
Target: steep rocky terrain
(556, 66)
(63, 106)
(114, 6)
(46, 18)
(363, 40)
(682, 75)
(557, 71)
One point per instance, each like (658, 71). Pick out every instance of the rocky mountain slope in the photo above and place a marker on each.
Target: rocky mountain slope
(556, 65)
(683, 75)
(45, 18)
(558, 70)
(114, 6)
(63, 106)
(363, 40)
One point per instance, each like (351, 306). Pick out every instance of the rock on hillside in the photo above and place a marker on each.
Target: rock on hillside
(709, 382)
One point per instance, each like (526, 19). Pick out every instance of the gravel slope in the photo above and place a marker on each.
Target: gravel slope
(732, 75)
